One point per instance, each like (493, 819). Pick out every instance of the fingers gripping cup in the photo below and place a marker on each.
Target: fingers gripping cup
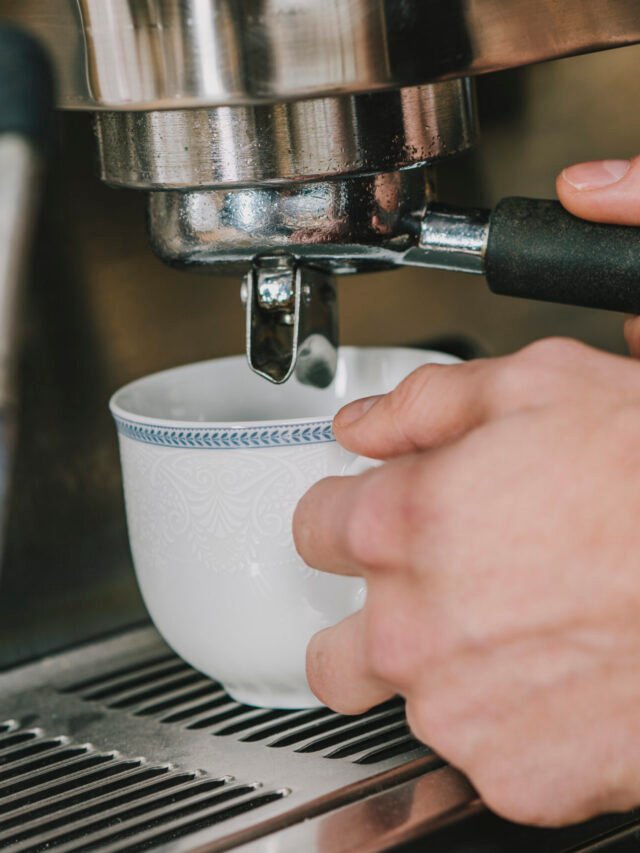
(214, 461)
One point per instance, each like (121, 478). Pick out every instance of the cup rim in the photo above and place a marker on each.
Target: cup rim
(239, 434)
(120, 413)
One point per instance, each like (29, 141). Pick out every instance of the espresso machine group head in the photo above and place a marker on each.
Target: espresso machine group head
(292, 141)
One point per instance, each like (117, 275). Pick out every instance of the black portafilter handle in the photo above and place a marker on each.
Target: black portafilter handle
(26, 86)
(537, 250)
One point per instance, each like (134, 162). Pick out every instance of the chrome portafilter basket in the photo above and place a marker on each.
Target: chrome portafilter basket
(288, 196)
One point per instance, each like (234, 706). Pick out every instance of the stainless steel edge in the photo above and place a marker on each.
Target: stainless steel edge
(305, 140)
(168, 54)
(381, 821)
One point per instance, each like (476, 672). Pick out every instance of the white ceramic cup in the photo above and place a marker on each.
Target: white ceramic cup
(214, 461)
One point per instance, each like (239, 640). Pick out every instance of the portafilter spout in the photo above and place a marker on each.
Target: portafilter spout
(292, 321)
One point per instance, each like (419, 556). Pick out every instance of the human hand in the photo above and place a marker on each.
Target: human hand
(606, 191)
(499, 543)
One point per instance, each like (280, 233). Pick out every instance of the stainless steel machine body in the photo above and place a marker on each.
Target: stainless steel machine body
(175, 54)
(285, 141)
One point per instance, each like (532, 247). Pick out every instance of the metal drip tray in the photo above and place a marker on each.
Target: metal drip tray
(121, 746)
(170, 691)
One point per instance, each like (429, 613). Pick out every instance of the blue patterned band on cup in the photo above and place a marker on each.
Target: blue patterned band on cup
(227, 438)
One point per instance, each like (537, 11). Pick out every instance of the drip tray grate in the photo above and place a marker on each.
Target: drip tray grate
(170, 691)
(121, 746)
(76, 798)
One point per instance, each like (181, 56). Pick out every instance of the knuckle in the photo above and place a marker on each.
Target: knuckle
(431, 721)
(384, 661)
(393, 655)
(417, 502)
(533, 804)
(413, 385)
(535, 370)
(361, 525)
(384, 526)
(406, 401)
(497, 773)
(553, 352)
(426, 723)
(509, 381)
(418, 723)
(506, 798)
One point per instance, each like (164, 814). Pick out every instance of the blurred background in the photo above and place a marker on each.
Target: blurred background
(101, 311)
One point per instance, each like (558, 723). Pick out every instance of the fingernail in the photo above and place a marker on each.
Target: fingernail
(596, 175)
(354, 411)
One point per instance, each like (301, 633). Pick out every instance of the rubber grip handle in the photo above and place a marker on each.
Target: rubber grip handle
(537, 250)
(26, 86)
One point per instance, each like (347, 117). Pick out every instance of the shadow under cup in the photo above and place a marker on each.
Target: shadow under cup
(214, 461)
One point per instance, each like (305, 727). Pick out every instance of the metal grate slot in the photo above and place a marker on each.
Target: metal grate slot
(195, 710)
(21, 810)
(7, 726)
(174, 693)
(18, 755)
(179, 831)
(160, 690)
(258, 718)
(245, 716)
(150, 814)
(235, 711)
(182, 697)
(333, 723)
(90, 800)
(302, 717)
(25, 775)
(10, 740)
(383, 737)
(392, 749)
(352, 734)
(117, 688)
(96, 680)
(135, 686)
(157, 795)
(93, 785)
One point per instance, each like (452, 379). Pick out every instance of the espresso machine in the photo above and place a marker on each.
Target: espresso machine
(292, 145)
